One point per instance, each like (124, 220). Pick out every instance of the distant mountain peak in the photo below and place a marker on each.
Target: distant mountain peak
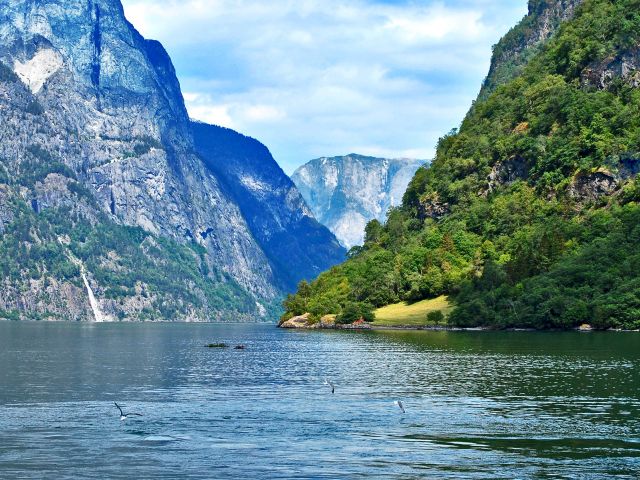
(346, 192)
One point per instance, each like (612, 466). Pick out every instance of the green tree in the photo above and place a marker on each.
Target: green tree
(435, 318)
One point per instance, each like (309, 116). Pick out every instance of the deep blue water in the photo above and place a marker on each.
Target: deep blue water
(479, 404)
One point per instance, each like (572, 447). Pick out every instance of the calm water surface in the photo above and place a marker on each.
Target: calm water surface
(479, 405)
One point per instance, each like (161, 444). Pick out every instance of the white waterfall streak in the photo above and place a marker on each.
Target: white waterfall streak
(97, 313)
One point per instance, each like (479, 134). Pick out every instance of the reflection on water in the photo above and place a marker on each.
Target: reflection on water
(479, 404)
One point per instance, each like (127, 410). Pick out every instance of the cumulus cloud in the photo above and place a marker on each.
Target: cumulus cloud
(312, 78)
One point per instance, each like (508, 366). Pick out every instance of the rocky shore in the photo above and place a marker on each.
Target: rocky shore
(328, 322)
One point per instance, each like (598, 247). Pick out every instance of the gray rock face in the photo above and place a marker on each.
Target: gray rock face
(345, 193)
(515, 49)
(297, 246)
(93, 123)
(625, 65)
(117, 118)
(507, 172)
(589, 187)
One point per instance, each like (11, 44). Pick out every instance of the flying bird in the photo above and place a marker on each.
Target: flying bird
(400, 405)
(330, 383)
(124, 416)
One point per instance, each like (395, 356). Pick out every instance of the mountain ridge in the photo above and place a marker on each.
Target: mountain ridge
(95, 134)
(348, 191)
(528, 216)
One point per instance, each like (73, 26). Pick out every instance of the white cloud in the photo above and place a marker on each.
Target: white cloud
(322, 77)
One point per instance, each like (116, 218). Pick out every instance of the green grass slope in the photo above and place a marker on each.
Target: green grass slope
(405, 314)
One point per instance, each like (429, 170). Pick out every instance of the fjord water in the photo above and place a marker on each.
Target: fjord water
(479, 404)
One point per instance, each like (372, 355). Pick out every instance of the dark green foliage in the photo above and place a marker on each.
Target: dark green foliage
(598, 284)
(435, 318)
(13, 315)
(373, 232)
(525, 254)
(30, 250)
(354, 311)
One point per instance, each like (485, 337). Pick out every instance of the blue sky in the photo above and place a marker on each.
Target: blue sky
(312, 78)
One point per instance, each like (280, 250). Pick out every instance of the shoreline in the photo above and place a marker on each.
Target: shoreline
(427, 328)
(370, 328)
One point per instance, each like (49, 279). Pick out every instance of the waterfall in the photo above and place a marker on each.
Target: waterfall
(92, 300)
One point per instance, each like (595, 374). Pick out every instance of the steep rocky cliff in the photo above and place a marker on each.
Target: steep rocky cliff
(95, 137)
(523, 41)
(345, 193)
(298, 247)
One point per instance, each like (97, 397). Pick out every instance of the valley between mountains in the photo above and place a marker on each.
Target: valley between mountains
(116, 206)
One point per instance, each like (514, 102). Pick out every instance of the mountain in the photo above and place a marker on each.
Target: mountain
(345, 193)
(526, 39)
(297, 246)
(103, 186)
(529, 214)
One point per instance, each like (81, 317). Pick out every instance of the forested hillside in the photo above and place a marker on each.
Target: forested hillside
(528, 215)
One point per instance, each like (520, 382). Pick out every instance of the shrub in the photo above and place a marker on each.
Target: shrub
(354, 311)
(435, 318)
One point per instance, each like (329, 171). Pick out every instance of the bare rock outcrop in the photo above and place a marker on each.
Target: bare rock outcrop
(507, 172)
(431, 207)
(300, 321)
(625, 66)
(589, 187)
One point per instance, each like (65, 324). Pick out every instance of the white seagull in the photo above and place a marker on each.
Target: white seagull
(330, 383)
(124, 416)
(401, 405)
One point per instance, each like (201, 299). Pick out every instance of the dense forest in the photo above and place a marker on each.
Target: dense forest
(528, 215)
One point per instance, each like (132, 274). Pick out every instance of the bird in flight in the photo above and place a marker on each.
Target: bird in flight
(400, 405)
(124, 416)
(330, 383)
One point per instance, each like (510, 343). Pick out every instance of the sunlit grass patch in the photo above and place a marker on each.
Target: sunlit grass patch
(415, 314)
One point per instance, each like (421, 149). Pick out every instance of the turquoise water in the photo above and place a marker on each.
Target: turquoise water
(479, 404)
